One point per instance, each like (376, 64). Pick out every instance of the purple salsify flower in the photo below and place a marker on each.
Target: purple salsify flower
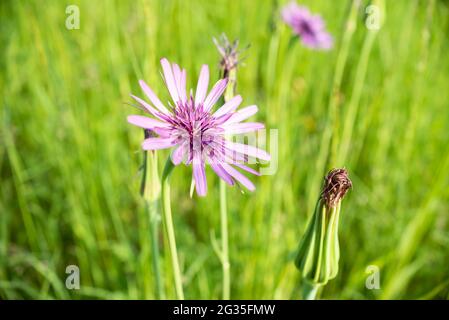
(196, 133)
(310, 28)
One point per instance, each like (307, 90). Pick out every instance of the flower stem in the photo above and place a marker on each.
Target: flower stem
(224, 243)
(169, 227)
(155, 220)
(226, 266)
(152, 196)
(150, 189)
(309, 290)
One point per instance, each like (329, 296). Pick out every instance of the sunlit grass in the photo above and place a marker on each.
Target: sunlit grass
(69, 162)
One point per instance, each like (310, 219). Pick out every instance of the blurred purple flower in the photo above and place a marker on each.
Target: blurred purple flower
(197, 133)
(310, 28)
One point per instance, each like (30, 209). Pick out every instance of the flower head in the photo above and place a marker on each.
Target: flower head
(230, 54)
(310, 28)
(197, 134)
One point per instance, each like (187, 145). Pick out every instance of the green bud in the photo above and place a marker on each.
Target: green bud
(150, 187)
(319, 250)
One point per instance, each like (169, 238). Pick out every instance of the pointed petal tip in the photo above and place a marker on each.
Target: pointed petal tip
(143, 85)
(175, 163)
(201, 193)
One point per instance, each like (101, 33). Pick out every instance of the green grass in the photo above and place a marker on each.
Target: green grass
(69, 162)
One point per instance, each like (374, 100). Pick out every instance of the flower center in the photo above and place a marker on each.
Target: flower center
(306, 28)
(192, 124)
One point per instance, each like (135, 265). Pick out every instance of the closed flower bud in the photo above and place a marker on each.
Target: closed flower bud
(319, 252)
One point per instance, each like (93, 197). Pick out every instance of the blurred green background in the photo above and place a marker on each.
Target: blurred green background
(69, 162)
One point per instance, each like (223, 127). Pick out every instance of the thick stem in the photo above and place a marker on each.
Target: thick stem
(151, 207)
(150, 190)
(168, 221)
(152, 196)
(309, 290)
(224, 243)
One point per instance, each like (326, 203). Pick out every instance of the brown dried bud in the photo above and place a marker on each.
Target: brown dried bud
(230, 54)
(336, 184)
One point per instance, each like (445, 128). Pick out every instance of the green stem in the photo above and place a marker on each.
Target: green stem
(169, 227)
(152, 196)
(150, 190)
(224, 243)
(309, 290)
(225, 264)
(151, 207)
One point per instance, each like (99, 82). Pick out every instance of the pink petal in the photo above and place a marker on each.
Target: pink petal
(153, 97)
(218, 169)
(144, 104)
(229, 156)
(224, 154)
(178, 154)
(170, 80)
(157, 143)
(178, 74)
(163, 132)
(224, 118)
(248, 169)
(243, 114)
(289, 12)
(215, 94)
(145, 122)
(202, 86)
(229, 106)
(239, 177)
(182, 86)
(199, 174)
(248, 150)
(238, 128)
(236, 157)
